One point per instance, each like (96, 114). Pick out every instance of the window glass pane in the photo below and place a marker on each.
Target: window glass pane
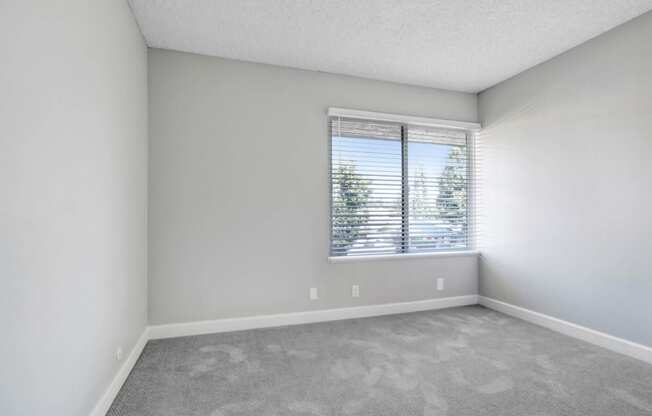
(437, 179)
(366, 186)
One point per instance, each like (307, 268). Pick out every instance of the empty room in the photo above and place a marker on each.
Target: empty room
(326, 208)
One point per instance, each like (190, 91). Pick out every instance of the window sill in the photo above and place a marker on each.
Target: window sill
(354, 259)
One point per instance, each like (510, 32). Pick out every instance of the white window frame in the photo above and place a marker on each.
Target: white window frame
(470, 127)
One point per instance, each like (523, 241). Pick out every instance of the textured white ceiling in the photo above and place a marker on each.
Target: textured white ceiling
(464, 45)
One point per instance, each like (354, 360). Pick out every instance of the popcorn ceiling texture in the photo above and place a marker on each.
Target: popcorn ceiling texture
(462, 45)
(467, 361)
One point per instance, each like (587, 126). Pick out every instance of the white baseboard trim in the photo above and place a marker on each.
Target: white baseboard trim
(297, 318)
(116, 384)
(610, 342)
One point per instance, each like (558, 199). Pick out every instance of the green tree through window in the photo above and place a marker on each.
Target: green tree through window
(420, 208)
(452, 197)
(350, 198)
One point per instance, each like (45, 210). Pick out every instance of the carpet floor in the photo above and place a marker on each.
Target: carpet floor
(467, 361)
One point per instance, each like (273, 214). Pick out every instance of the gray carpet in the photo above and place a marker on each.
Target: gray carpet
(457, 362)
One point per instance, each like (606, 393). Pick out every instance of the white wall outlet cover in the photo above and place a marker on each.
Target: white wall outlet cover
(440, 284)
(313, 293)
(355, 291)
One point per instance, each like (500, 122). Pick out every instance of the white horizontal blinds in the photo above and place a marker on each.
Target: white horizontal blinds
(366, 187)
(398, 188)
(439, 183)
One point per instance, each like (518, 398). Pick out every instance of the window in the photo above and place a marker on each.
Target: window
(398, 188)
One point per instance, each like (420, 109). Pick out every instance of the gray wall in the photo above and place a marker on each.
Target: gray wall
(239, 191)
(568, 185)
(73, 214)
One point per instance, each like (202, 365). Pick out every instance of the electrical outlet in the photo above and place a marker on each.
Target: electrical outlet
(355, 291)
(313, 293)
(440, 283)
(118, 354)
